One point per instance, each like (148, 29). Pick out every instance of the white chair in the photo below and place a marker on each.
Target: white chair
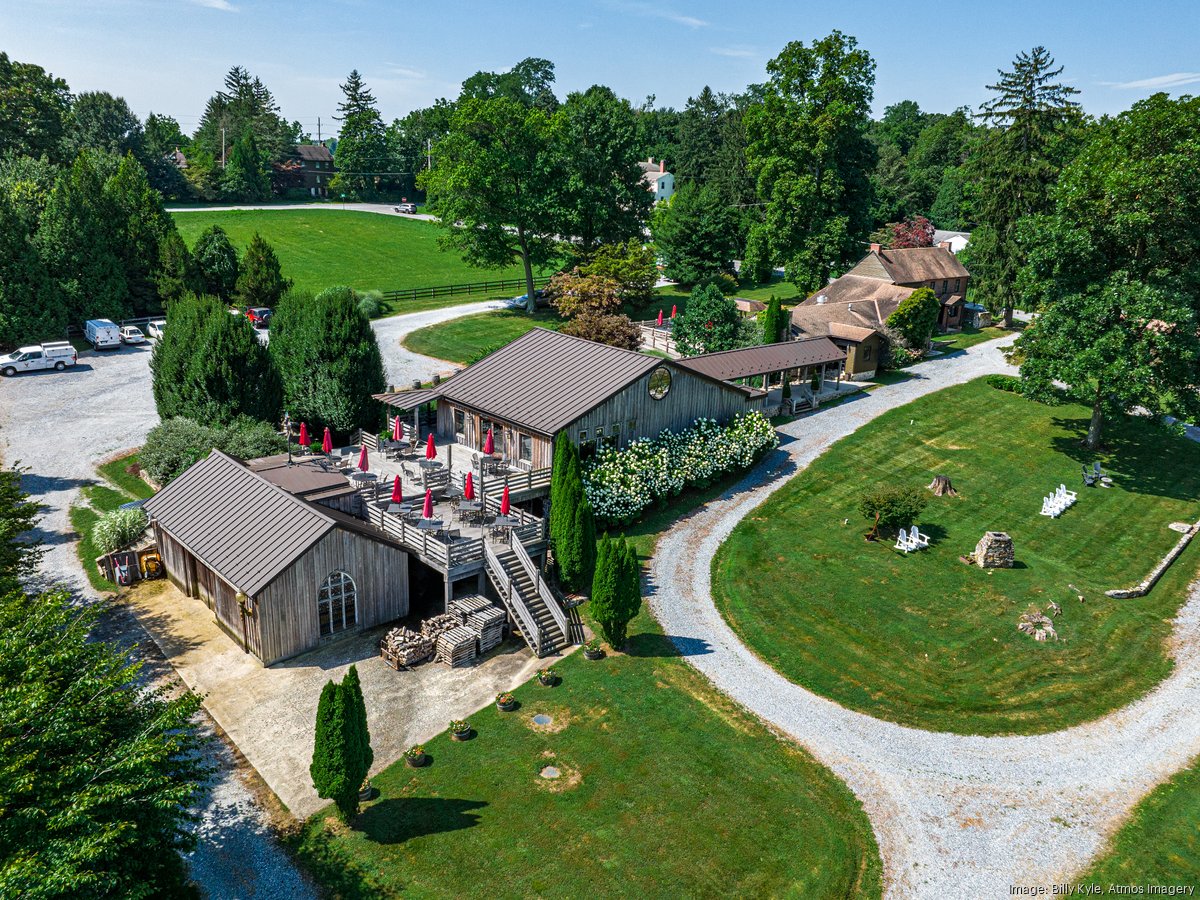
(1070, 495)
(902, 541)
(917, 540)
(1049, 508)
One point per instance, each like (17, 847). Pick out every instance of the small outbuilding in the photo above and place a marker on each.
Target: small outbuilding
(281, 573)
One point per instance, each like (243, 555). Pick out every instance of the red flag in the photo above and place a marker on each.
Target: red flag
(364, 464)
(397, 496)
(504, 502)
(304, 438)
(489, 446)
(427, 511)
(327, 442)
(430, 450)
(469, 488)
(397, 429)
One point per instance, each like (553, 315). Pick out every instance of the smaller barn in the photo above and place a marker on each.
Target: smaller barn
(281, 573)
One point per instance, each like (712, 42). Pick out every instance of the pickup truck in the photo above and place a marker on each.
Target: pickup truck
(56, 355)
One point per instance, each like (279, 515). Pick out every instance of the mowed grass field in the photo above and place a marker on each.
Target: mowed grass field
(465, 340)
(319, 248)
(666, 789)
(928, 641)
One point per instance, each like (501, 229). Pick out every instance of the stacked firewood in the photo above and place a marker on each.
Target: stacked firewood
(404, 647)
(432, 627)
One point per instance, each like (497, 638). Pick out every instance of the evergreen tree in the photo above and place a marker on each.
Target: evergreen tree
(616, 589)
(216, 263)
(246, 177)
(328, 360)
(708, 324)
(1013, 168)
(142, 225)
(572, 522)
(34, 109)
(695, 234)
(604, 585)
(773, 321)
(362, 147)
(360, 756)
(25, 284)
(245, 104)
(261, 281)
(330, 767)
(176, 274)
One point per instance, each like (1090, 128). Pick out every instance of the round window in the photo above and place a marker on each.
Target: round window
(660, 382)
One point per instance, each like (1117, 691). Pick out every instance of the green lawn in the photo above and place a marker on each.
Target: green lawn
(123, 486)
(117, 472)
(83, 518)
(1160, 844)
(320, 248)
(464, 340)
(667, 789)
(927, 641)
(969, 337)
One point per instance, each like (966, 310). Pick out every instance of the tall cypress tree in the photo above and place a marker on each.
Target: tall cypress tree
(261, 281)
(358, 738)
(329, 768)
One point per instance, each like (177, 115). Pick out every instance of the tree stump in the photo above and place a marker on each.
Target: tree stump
(942, 487)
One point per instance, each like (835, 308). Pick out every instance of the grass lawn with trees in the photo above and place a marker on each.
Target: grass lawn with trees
(969, 337)
(1160, 844)
(464, 340)
(367, 251)
(927, 641)
(667, 788)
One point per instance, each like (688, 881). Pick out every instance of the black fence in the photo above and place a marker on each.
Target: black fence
(453, 290)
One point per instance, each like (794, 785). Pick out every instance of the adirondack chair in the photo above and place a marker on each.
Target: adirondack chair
(1071, 496)
(1049, 508)
(1096, 469)
(902, 541)
(917, 540)
(1089, 480)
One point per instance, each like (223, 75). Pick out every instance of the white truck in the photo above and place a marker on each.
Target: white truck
(55, 355)
(103, 334)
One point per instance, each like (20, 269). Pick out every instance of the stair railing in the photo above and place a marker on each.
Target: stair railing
(543, 590)
(512, 600)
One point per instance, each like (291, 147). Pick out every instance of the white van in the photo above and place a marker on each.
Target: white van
(103, 334)
(56, 355)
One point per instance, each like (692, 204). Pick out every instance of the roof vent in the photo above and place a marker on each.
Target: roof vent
(821, 298)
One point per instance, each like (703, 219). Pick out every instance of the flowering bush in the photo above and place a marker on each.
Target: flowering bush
(414, 752)
(621, 484)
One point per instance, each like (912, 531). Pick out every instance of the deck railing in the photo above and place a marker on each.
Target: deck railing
(535, 576)
(446, 556)
(514, 603)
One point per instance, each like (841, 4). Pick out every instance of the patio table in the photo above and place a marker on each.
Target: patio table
(430, 524)
(400, 509)
(429, 464)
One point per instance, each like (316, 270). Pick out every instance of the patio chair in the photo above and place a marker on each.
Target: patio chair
(902, 541)
(1096, 470)
(1089, 480)
(1071, 496)
(1049, 508)
(916, 540)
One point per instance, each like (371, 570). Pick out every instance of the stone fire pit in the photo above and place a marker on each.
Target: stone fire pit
(994, 551)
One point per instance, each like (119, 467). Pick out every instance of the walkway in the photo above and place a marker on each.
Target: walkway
(403, 367)
(955, 816)
(383, 209)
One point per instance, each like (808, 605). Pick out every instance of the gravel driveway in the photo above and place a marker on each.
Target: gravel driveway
(403, 366)
(955, 816)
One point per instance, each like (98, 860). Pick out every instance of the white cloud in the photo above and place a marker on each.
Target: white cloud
(223, 5)
(1175, 79)
(652, 11)
(405, 72)
(734, 52)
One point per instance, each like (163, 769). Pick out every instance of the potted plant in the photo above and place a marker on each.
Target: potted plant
(505, 702)
(593, 650)
(365, 790)
(547, 676)
(460, 730)
(414, 757)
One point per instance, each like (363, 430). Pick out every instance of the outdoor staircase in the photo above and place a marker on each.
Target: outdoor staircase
(537, 614)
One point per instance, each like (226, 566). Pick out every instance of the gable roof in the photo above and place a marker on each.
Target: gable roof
(314, 152)
(854, 307)
(910, 266)
(543, 381)
(748, 361)
(242, 526)
(851, 288)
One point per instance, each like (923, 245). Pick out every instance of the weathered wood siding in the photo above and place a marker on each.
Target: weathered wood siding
(637, 414)
(505, 435)
(286, 610)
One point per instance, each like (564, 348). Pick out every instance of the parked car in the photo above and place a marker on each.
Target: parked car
(55, 355)
(131, 334)
(407, 208)
(156, 328)
(259, 316)
(103, 334)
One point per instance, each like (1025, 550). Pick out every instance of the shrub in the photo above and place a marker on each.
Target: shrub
(177, 443)
(1010, 383)
(916, 317)
(622, 484)
(899, 357)
(616, 331)
(722, 281)
(370, 304)
(892, 507)
(118, 529)
(616, 589)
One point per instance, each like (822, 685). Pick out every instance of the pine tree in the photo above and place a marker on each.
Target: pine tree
(361, 756)
(362, 147)
(329, 768)
(261, 281)
(616, 589)
(601, 600)
(584, 534)
(216, 263)
(246, 177)
(773, 321)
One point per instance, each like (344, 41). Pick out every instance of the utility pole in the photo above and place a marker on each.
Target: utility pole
(222, 146)
(429, 153)
(318, 129)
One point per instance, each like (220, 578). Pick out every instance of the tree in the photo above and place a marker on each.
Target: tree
(330, 767)
(599, 196)
(699, 137)
(216, 263)
(142, 225)
(530, 83)
(695, 234)
(162, 137)
(177, 272)
(362, 149)
(328, 360)
(914, 231)
(773, 320)
(809, 153)
(572, 523)
(244, 104)
(614, 330)
(709, 323)
(491, 184)
(891, 507)
(616, 589)
(100, 121)
(24, 281)
(261, 281)
(246, 177)
(1115, 269)
(631, 265)
(175, 444)
(34, 106)
(358, 734)
(572, 294)
(19, 548)
(1013, 168)
(916, 317)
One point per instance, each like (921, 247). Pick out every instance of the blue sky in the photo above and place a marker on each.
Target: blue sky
(169, 56)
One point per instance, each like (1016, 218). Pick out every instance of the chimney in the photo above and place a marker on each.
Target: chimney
(875, 248)
(662, 165)
(945, 245)
(821, 299)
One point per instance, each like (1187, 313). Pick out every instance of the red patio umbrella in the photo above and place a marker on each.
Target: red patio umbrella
(427, 510)
(489, 446)
(397, 429)
(397, 496)
(672, 310)
(504, 502)
(430, 450)
(469, 488)
(305, 440)
(658, 322)
(363, 463)
(327, 442)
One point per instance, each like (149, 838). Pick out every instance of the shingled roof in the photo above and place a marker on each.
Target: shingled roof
(242, 526)
(910, 266)
(314, 152)
(761, 360)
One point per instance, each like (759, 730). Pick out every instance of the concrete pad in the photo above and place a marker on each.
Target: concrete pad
(269, 712)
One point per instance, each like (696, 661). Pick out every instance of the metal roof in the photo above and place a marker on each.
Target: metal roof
(764, 359)
(304, 477)
(240, 525)
(403, 400)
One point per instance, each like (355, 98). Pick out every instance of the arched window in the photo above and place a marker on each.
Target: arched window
(337, 603)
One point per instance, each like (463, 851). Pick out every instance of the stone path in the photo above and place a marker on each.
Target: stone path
(955, 816)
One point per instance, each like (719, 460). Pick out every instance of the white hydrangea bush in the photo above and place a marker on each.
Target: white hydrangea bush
(621, 484)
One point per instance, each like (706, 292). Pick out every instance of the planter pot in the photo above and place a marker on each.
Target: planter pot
(548, 682)
(593, 654)
(366, 793)
(415, 762)
(460, 735)
(506, 707)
